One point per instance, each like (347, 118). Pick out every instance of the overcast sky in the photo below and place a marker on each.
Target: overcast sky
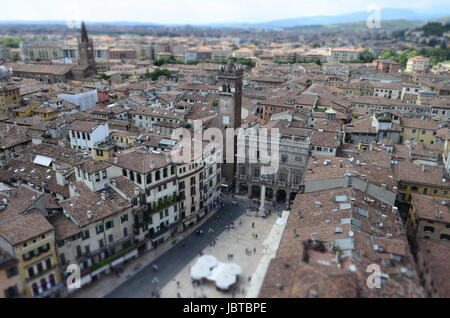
(191, 11)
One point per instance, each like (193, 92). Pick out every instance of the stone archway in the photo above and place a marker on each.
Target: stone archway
(256, 192)
(269, 194)
(243, 189)
(281, 196)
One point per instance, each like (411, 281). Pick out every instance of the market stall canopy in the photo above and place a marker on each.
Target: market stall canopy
(203, 267)
(223, 274)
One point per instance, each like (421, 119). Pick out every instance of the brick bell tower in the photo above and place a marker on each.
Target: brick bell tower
(86, 52)
(230, 105)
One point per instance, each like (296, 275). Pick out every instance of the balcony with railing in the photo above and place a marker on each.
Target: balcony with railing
(163, 230)
(242, 176)
(266, 179)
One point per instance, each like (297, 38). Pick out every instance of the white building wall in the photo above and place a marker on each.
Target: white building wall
(85, 100)
(99, 134)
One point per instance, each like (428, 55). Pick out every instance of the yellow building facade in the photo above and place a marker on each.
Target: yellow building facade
(25, 111)
(427, 136)
(104, 151)
(9, 95)
(419, 179)
(428, 218)
(38, 264)
(47, 113)
(11, 285)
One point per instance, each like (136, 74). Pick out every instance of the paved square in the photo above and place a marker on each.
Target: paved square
(234, 241)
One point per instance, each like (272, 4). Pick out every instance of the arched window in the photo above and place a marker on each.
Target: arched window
(35, 289)
(44, 284)
(52, 280)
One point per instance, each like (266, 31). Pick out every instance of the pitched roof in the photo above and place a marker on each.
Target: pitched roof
(82, 125)
(139, 160)
(13, 229)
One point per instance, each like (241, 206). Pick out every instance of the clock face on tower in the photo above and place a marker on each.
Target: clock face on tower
(225, 105)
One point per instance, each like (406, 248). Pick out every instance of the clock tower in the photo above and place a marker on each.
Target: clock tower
(229, 108)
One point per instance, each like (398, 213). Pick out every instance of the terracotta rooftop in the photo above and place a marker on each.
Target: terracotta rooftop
(64, 227)
(86, 200)
(324, 139)
(139, 160)
(436, 256)
(412, 173)
(431, 208)
(80, 125)
(92, 166)
(34, 223)
(127, 187)
(341, 226)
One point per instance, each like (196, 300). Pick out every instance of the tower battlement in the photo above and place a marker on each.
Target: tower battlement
(231, 70)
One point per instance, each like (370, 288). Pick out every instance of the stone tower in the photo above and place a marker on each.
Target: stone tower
(230, 104)
(86, 52)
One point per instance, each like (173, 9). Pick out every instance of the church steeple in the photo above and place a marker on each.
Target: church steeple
(86, 57)
(84, 34)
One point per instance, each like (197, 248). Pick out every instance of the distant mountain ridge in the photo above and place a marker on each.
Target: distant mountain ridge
(360, 16)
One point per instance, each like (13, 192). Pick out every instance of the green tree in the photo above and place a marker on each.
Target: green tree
(157, 73)
(388, 54)
(104, 76)
(366, 57)
(11, 42)
(167, 60)
(435, 28)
